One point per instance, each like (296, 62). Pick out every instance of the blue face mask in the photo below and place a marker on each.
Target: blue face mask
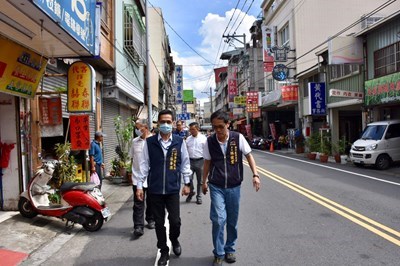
(165, 128)
(138, 132)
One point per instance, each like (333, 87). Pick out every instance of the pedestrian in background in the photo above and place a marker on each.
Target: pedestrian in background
(96, 156)
(179, 131)
(195, 144)
(139, 206)
(223, 166)
(165, 159)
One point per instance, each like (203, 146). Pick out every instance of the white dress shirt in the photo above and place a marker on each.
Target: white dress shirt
(195, 146)
(145, 161)
(244, 147)
(136, 153)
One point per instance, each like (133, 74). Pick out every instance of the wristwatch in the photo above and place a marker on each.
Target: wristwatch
(256, 176)
(188, 184)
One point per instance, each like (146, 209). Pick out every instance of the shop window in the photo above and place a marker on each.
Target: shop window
(387, 60)
(341, 71)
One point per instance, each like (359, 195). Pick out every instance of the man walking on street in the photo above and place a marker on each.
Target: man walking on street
(195, 144)
(96, 156)
(165, 159)
(223, 166)
(179, 130)
(136, 153)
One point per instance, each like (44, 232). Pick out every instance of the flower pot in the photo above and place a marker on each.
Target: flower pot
(299, 149)
(311, 156)
(323, 158)
(337, 158)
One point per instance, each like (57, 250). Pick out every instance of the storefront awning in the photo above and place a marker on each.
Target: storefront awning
(272, 98)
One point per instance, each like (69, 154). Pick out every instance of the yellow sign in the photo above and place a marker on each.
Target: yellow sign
(20, 69)
(81, 91)
(241, 100)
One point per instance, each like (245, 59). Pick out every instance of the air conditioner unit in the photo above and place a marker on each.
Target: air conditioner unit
(111, 93)
(366, 22)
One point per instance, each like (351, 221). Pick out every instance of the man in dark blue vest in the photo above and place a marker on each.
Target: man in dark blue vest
(223, 167)
(165, 159)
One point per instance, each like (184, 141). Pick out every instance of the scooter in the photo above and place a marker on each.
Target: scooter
(81, 203)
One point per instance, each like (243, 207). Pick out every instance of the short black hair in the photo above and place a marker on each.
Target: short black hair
(195, 124)
(220, 115)
(165, 112)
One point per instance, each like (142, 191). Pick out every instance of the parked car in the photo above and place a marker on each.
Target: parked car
(379, 145)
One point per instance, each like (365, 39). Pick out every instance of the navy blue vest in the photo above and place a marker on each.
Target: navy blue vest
(164, 174)
(225, 171)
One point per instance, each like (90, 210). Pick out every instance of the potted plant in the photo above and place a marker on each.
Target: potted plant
(326, 147)
(340, 151)
(299, 142)
(313, 144)
(124, 132)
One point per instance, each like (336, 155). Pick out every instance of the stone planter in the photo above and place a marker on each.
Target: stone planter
(323, 158)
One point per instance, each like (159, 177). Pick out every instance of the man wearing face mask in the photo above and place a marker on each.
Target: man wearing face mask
(165, 158)
(136, 151)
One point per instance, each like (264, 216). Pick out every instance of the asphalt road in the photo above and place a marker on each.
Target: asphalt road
(305, 213)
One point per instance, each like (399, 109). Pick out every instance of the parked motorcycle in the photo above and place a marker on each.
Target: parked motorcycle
(81, 203)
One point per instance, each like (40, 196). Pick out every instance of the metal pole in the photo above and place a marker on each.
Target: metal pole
(245, 51)
(149, 105)
(211, 101)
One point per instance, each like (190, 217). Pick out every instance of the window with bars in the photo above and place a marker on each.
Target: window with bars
(387, 60)
(284, 35)
(341, 71)
(134, 35)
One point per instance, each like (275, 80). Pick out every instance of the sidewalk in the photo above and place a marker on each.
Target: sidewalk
(21, 237)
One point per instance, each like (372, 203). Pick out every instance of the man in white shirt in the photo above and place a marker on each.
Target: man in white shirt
(136, 153)
(195, 144)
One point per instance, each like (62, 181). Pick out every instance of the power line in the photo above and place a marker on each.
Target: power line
(245, 14)
(237, 17)
(231, 16)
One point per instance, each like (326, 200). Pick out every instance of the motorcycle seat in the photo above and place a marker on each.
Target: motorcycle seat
(85, 186)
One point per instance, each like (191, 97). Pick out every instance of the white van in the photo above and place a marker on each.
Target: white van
(379, 145)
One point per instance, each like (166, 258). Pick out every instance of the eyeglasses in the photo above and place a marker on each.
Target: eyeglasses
(218, 126)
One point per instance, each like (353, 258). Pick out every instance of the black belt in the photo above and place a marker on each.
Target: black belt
(196, 159)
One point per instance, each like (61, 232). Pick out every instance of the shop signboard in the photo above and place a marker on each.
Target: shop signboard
(76, 17)
(81, 88)
(232, 80)
(383, 90)
(179, 84)
(240, 100)
(252, 102)
(290, 93)
(188, 96)
(20, 69)
(50, 111)
(346, 94)
(80, 132)
(316, 92)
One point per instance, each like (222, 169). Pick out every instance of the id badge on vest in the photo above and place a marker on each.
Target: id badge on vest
(172, 159)
(233, 152)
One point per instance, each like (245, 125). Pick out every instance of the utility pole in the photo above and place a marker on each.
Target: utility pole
(149, 105)
(234, 36)
(211, 101)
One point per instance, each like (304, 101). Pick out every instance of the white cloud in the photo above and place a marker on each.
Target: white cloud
(197, 76)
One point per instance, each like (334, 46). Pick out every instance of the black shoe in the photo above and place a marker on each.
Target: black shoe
(151, 225)
(230, 257)
(164, 258)
(198, 201)
(217, 261)
(138, 231)
(190, 196)
(177, 249)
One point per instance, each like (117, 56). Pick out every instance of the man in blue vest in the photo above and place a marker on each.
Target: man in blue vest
(223, 167)
(165, 159)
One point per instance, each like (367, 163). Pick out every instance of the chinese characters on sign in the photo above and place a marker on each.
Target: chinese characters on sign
(316, 92)
(80, 133)
(240, 100)
(77, 17)
(80, 88)
(232, 80)
(50, 111)
(20, 69)
(290, 92)
(383, 90)
(346, 94)
(179, 84)
(252, 102)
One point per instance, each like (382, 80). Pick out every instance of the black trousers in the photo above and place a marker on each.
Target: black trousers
(160, 203)
(139, 209)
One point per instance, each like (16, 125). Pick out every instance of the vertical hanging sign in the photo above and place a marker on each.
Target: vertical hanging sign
(267, 42)
(316, 92)
(80, 133)
(179, 84)
(81, 88)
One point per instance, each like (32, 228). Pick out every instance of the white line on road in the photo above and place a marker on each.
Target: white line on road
(333, 168)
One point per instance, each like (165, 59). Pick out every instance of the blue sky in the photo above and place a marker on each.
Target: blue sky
(201, 24)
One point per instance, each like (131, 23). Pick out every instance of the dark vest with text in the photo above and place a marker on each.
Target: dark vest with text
(225, 171)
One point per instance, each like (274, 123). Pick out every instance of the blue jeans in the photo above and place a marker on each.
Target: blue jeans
(224, 210)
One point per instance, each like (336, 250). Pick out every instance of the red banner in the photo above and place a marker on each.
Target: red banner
(252, 102)
(50, 111)
(80, 133)
(290, 93)
(232, 81)
(268, 63)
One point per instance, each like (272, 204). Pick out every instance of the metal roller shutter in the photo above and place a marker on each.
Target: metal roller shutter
(110, 111)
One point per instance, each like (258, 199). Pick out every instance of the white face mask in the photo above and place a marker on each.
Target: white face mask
(138, 132)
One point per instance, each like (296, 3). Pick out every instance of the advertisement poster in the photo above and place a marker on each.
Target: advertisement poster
(81, 88)
(80, 133)
(20, 69)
